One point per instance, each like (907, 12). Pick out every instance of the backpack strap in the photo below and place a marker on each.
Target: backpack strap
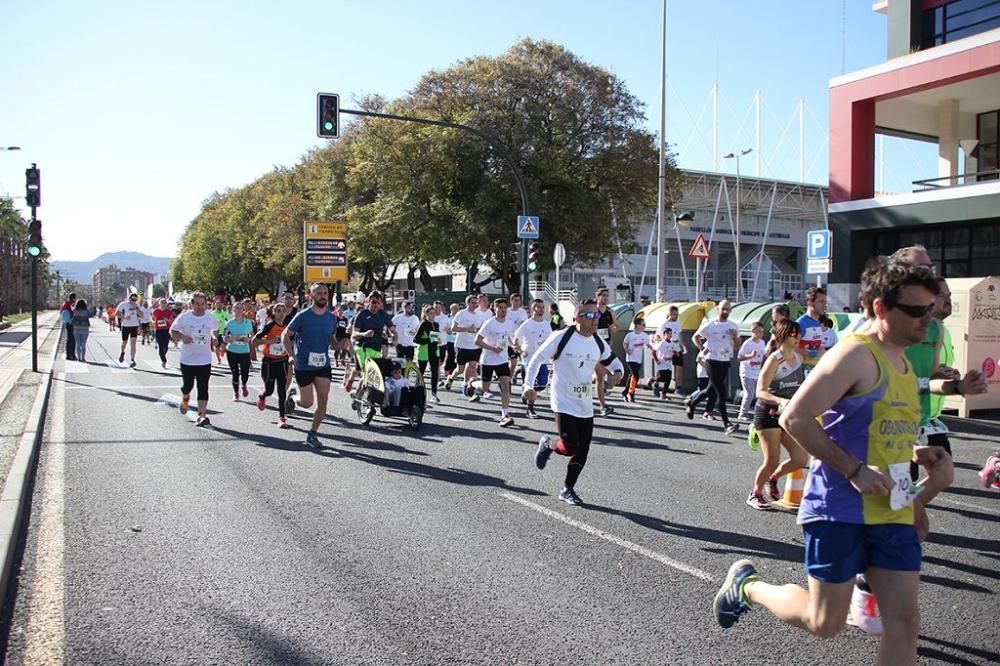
(563, 341)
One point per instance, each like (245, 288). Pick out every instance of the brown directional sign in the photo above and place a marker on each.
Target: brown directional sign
(324, 248)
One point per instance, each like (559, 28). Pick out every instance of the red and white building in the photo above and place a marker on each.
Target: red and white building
(940, 84)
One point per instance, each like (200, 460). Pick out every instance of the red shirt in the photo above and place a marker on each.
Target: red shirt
(162, 319)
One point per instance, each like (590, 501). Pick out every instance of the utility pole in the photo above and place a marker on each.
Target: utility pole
(33, 197)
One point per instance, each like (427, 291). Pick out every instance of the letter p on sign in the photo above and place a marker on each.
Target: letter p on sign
(818, 244)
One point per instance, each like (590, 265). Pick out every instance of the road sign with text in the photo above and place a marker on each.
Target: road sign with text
(324, 247)
(818, 245)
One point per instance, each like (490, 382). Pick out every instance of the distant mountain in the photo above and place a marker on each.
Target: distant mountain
(83, 271)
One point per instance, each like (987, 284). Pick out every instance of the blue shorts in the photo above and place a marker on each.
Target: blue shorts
(836, 552)
(542, 379)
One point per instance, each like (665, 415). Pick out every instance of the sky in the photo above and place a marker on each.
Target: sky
(136, 112)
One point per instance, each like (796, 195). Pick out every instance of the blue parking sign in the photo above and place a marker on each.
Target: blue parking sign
(818, 244)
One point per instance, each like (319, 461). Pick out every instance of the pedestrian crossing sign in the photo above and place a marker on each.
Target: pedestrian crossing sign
(528, 227)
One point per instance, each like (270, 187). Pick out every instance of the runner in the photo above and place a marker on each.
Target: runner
(635, 343)
(446, 346)
(751, 358)
(606, 325)
(406, 324)
(811, 341)
(494, 337)
(781, 376)
(859, 508)
(556, 320)
(429, 351)
(528, 337)
(128, 320)
(112, 317)
(237, 334)
(314, 329)
(516, 315)
(369, 333)
(196, 329)
(664, 350)
(721, 337)
(935, 429)
(827, 334)
(145, 317)
(274, 363)
(221, 314)
(574, 354)
(673, 324)
(163, 317)
(465, 324)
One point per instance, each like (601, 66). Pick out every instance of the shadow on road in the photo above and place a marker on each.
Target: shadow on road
(961, 566)
(989, 656)
(743, 543)
(271, 648)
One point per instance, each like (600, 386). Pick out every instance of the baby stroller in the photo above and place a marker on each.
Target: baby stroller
(371, 396)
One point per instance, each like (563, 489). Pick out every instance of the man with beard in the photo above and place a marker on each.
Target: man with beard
(722, 338)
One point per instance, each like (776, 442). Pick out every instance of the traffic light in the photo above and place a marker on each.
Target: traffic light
(35, 238)
(33, 186)
(328, 116)
(534, 257)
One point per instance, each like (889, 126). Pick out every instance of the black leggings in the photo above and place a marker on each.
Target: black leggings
(718, 378)
(195, 373)
(274, 371)
(449, 358)
(635, 370)
(162, 340)
(435, 367)
(239, 365)
(575, 434)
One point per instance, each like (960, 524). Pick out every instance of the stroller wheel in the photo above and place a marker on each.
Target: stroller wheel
(365, 411)
(415, 417)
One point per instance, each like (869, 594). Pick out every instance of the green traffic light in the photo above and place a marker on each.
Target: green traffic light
(35, 250)
(328, 126)
(532, 266)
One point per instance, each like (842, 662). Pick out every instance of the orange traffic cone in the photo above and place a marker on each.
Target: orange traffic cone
(795, 483)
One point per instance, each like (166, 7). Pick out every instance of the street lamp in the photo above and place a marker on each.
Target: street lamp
(10, 148)
(739, 266)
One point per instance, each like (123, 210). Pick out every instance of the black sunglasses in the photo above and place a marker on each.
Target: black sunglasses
(915, 311)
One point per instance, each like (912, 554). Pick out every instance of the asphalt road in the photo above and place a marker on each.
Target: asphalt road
(152, 541)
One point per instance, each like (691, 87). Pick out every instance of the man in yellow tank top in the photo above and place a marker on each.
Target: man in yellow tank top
(859, 506)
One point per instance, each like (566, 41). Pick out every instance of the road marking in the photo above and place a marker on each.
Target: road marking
(118, 367)
(73, 367)
(173, 401)
(618, 541)
(45, 631)
(966, 504)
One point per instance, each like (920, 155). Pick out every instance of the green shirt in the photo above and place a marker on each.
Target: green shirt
(947, 359)
(922, 357)
(221, 316)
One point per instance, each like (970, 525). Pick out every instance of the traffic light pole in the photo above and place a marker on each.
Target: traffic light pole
(492, 143)
(34, 307)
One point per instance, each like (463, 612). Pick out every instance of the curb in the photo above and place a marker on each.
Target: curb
(14, 499)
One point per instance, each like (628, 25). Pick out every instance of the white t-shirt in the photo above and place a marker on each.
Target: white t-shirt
(675, 329)
(572, 382)
(496, 333)
(129, 313)
(702, 369)
(145, 314)
(719, 339)
(665, 354)
(444, 325)
(406, 328)
(200, 329)
(466, 319)
(262, 317)
(634, 344)
(530, 335)
(517, 317)
(828, 338)
(750, 368)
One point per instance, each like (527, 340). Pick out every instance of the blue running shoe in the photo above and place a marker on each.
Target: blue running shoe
(543, 452)
(729, 602)
(570, 497)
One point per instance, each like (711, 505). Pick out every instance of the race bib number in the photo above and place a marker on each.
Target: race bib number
(317, 360)
(200, 339)
(580, 391)
(604, 333)
(276, 349)
(905, 491)
(435, 336)
(161, 323)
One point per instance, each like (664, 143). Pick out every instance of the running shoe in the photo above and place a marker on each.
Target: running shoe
(282, 423)
(689, 410)
(121, 357)
(543, 452)
(531, 413)
(202, 421)
(474, 397)
(708, 416)
(245, 391)
(730, 602)
(447, 384)
(864, 613)
(312, 439)
(756, 501)
(164, 365)
(349, 385)
(506, 420)
(261, 402)
(567, 495)
(990, 473)
(290, 401)
(732, 428)
(132, 364)
(236, 397)
(772, 489)
(487, 395)
(435, 399)
(185, 400)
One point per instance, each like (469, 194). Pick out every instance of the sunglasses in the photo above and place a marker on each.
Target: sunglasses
(915, 311)
(590, 315)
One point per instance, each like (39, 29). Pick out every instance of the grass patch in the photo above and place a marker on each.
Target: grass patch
(17, 318)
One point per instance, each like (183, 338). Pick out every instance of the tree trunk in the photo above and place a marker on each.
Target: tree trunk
(411, 277)
(426, 280)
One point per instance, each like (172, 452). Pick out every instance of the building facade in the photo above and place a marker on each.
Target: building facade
(112, 285)
(940, 84)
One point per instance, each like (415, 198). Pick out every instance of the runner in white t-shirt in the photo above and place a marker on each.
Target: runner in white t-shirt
(128, 316)
(635, 342)
(664, 349)
(721, 338)
(195, 328)
(571, 395)
(528, 337)
(673, 323)
(406, 323)
(464, 325)
(516, 315)
(751, 358)
(494, 336)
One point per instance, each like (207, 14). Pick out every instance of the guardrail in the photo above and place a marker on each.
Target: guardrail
(548, 292)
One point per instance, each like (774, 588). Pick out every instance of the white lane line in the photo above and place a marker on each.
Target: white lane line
(118, 367)
(73, 367)
(969, 505)
(618, 541)
(45, 631)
